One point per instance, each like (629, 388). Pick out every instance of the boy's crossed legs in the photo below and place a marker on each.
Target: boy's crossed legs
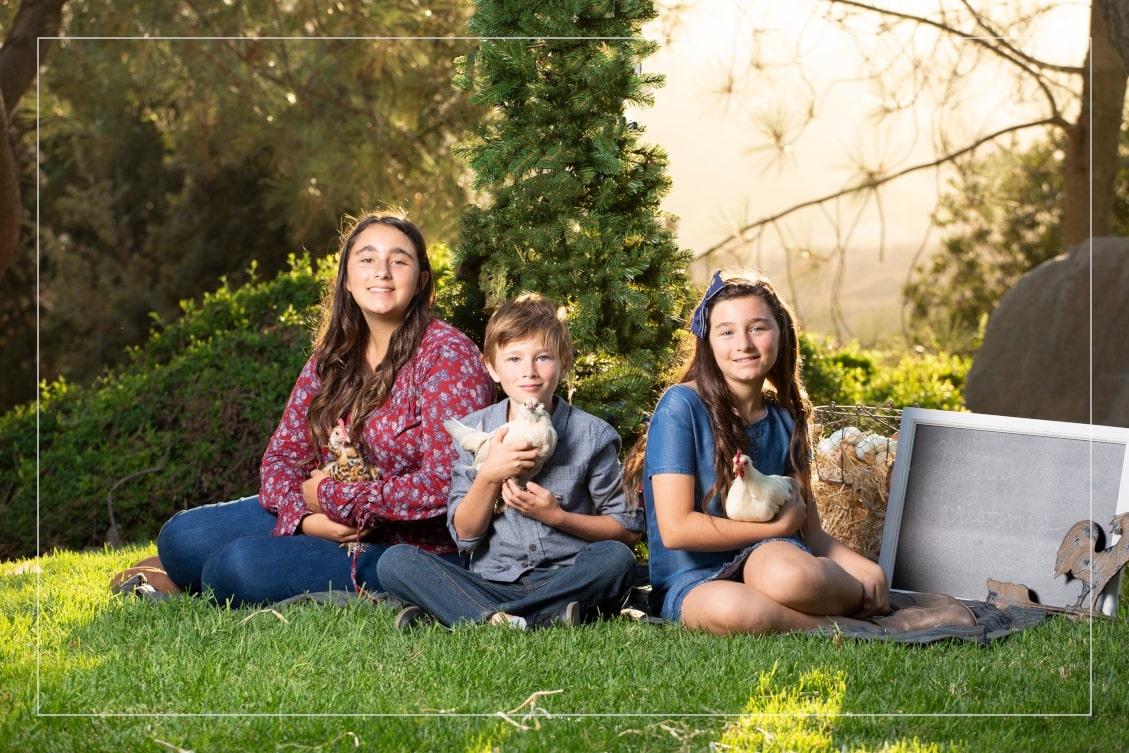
(598, 580)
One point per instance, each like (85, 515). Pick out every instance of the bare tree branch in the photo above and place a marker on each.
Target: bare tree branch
(1002, 48)
(10, 209)
(875, 181)
(994, 43)
(1004, 43)
(35, 21)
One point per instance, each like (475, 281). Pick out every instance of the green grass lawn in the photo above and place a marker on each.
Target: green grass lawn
(85, 670)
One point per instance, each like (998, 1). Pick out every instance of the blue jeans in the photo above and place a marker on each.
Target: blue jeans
(599, 580)
(227, 549)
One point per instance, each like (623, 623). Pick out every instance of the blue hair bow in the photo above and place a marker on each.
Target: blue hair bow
(699, 323)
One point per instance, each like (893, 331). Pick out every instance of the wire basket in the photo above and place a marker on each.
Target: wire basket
(854, 457)
(842, 426)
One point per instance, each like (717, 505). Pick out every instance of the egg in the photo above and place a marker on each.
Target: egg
(830, 443)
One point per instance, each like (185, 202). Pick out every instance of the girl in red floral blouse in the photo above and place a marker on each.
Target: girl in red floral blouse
(393, 374)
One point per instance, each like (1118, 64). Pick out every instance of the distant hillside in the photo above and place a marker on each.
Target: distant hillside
(870, 297)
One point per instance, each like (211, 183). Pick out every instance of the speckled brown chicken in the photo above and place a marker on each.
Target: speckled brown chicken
(348, 464)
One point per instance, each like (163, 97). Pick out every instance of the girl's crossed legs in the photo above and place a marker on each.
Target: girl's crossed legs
(779, 588)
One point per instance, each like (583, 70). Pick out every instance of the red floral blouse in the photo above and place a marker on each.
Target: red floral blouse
(404, 437)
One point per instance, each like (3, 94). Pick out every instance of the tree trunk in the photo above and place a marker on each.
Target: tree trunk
(10, 208)
(1091, 160)
(19, 61)
(1117, 22)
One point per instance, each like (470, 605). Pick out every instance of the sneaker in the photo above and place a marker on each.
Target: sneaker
(567, 617)
(139, 586)
(509, 620)
(570, 617)
(412, 616)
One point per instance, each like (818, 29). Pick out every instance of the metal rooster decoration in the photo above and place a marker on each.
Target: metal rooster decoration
(1082, 556)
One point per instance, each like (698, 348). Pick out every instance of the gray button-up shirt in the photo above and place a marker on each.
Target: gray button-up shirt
(583, 472)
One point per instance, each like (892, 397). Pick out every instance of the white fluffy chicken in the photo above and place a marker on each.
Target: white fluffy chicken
(754, 496)
(531, 423)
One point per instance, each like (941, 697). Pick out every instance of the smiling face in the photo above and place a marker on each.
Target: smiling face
(745, 339)
(383, 273)
(526, 369)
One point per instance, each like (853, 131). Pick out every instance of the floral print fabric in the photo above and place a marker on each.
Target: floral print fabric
(404, 438)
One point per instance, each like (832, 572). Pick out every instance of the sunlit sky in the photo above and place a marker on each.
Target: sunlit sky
(721, 180)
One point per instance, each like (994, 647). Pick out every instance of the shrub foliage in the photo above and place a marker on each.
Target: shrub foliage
(185, 422)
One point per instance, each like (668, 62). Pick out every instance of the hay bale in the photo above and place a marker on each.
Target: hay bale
(851, 495)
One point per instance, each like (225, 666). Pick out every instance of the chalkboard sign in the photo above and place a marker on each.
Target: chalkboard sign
(974, 497)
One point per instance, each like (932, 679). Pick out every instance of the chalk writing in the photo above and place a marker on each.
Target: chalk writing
(1010, 520)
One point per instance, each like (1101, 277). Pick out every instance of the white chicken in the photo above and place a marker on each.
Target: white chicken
(754, 496)
(531, 423)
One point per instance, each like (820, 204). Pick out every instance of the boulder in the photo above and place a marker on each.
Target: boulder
(1057, 346)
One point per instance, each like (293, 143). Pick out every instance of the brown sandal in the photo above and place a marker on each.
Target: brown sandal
(921, 611)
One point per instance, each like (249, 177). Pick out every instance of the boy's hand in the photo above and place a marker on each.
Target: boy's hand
(506, 460)
(534, 501)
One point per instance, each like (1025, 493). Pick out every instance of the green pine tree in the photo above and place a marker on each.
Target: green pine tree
(570, 197)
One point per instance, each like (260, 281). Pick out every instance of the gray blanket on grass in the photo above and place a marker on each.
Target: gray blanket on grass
(993, 622)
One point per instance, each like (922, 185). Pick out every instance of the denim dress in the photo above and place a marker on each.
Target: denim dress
(680, 440)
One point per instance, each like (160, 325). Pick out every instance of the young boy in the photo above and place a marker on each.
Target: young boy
(560, 550)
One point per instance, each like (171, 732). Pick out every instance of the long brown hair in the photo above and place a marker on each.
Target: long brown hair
(784, 386)
(349, 387)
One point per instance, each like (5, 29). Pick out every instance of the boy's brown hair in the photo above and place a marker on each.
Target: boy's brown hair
(527, 316)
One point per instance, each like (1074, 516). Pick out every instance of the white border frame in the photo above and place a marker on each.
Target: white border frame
(912, 417)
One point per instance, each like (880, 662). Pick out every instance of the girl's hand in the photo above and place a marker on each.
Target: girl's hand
(534, 501)
(310, 489)
(792, 515)
(875, 592)
(321, 526)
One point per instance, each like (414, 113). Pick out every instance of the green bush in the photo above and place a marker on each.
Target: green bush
(186, 421)
(852, 376)
(838, 375)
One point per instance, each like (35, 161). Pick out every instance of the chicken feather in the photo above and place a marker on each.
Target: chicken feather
(755, 496)
(531, 423)
(348, 464)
